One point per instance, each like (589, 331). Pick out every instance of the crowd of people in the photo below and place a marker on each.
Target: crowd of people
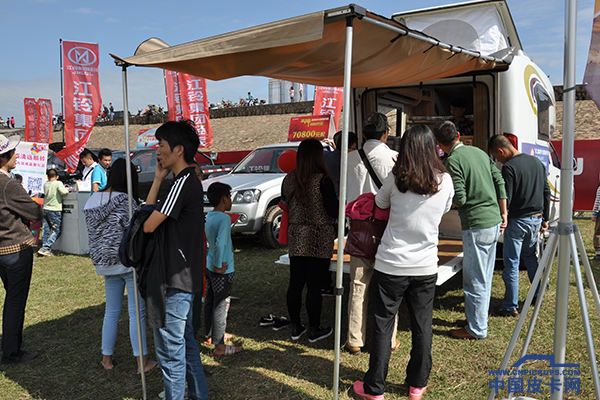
(415, 185)
(8, 123)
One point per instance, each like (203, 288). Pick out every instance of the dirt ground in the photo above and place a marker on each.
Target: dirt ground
(234, 133)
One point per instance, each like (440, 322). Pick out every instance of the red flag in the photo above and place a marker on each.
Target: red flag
(191, 93)
(30, 120)
(82, 98)
(173, 96)
(329, 100)
(44, 114)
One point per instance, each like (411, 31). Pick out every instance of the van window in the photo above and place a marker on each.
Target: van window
(554, 156)
(543, 108)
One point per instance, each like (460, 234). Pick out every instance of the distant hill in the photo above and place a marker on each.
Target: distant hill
(245, 133)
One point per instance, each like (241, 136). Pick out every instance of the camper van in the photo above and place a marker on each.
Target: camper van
(517, 102)
(409, 66)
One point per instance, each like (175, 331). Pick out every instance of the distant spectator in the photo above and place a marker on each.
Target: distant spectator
(99, 174)
(300, 90)
(12, 121)
(111, 111)
(54, 190)
(291, 94)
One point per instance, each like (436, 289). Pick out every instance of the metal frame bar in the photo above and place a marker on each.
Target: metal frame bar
(433, 42)
(130, 199)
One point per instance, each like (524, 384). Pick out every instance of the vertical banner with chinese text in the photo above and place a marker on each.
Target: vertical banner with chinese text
(44, 122)
(30, 120)
(82, 98)
(329, 100)
(193, 100)
(173, 96)
(592, 69)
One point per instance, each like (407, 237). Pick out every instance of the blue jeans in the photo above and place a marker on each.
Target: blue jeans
(520, 239)
(51, 228)
(114, 287)
(177, 351)
(479, 248)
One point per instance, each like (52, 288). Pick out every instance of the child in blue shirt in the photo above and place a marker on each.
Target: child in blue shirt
(219, 268)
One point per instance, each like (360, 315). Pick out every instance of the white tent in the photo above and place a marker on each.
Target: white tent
(347, 46)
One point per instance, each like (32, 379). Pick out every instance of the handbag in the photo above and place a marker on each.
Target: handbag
(364, 237)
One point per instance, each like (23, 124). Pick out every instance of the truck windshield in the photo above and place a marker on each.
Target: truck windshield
(261, 161)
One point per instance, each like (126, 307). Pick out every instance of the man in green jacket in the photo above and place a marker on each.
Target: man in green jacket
(16, 253)
(480, 197)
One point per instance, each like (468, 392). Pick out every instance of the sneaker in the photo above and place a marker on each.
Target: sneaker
(359, 390)
(45, 252)
(327, 292)
(267, 321)
(297, 331)
(416, 393)
(280, 323)
(319, 333)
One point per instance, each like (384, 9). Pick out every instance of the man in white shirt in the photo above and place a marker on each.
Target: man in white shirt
(89, 164)
(382, 159)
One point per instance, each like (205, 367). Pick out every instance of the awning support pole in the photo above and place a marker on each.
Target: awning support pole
(339, 290)
(565, 223)
(130, 197)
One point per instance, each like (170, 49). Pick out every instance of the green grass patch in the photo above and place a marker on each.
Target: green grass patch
(66, 307)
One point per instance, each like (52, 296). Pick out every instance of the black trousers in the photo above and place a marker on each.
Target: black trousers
(387, 292)
(309, 271)
(15, 271)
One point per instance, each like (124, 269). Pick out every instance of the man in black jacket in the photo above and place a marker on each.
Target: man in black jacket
(16, 253)
(182, 219)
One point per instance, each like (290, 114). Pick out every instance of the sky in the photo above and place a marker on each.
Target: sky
(31, 30)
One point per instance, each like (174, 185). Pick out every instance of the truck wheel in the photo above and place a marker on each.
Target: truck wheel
(269, 233)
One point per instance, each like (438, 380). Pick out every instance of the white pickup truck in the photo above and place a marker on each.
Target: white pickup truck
(255, 191)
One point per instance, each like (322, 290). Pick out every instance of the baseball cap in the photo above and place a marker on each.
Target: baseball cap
(376, 123)
(8, 143)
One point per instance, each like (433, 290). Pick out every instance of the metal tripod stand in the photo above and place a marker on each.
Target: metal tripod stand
(571, 234)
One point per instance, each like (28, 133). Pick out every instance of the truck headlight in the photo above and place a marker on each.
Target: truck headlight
(246, 196)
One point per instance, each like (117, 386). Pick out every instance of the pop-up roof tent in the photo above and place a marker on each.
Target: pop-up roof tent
(347, 46)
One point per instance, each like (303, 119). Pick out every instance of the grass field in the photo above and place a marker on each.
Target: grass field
(66, 306)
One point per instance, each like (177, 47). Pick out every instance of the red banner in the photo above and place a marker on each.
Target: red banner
(44, 114)
(30, 120)
(329, 100)
(188, 94)
(82, 98)
(586, 173)
(310, 127)
(173, 96)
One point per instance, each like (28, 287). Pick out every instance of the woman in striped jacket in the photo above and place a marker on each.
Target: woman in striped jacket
(107, 218)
